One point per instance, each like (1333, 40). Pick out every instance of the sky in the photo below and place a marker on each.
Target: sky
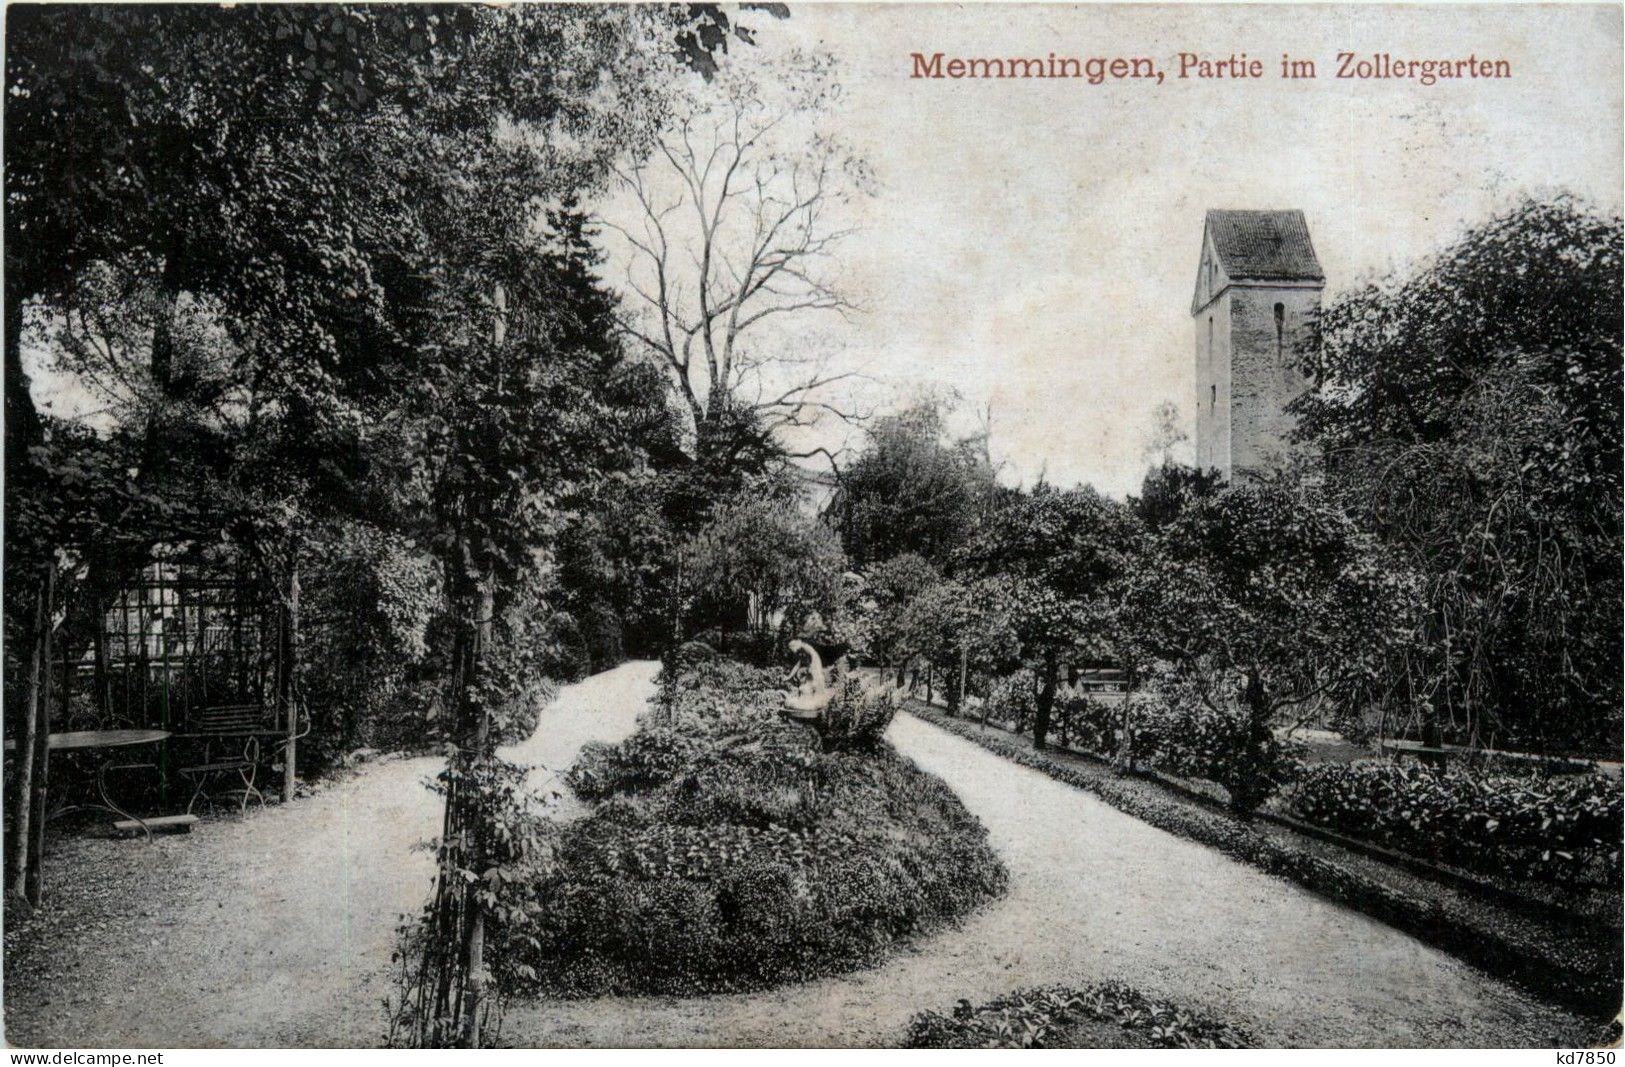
(1032, 245)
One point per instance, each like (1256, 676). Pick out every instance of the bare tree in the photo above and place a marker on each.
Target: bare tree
(734, 218)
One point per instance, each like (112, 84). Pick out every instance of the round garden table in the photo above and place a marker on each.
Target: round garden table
(107, 742)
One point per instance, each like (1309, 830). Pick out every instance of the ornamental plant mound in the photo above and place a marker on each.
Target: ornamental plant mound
(729, 850)
(1108, 1015)
(1562, 829)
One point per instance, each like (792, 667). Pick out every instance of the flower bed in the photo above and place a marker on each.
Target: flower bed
(1063, 1017)
(730, 850)
(1559, 829)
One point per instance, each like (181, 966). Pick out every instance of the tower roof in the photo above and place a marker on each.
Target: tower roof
(1264, 245)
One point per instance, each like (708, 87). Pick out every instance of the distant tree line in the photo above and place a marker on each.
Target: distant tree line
(1442, 561)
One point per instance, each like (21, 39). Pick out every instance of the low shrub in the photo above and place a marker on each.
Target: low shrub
(729, 676)
(1013, 700)
(648, 758)
(685, 657)
(1086, 723)
(1175, 732)
(758, 648)
(1556, 829)
(731, 850)
(857, 718)
(1061, 1017)
(1185, 736)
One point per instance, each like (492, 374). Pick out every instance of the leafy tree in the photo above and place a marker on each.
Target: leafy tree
(1169, 489)
(961, 630)
(1055, 558)
(770, 555)
(1264, 598)
(890, 586)
(1470, 415)
(911, 490)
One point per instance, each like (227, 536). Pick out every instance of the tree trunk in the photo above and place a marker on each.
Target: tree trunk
(483, 623)
(22, 806)
(1124, 756)
(34, 886)
(23, 427)
(290, 671)
(1251, 784)
(1046, 701)
(480, 749)
(957, 698)
(677, 604)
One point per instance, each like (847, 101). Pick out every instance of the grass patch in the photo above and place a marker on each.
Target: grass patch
(1109, 1015)
(729, 850)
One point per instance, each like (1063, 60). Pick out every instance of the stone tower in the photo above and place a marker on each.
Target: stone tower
(1256, 288)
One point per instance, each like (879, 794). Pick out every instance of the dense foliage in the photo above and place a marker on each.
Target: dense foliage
(1264, 598)
(1067, 1017)
(1469, 415)
(1170, 731)
(1054, 560)
(912, 491)
(767, 554)
(1443, 563)
(1563, 829)
(729, 849)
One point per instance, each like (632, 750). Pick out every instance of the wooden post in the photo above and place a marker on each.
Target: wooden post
(22, 807)
(677, 604)
(104, 688)
(33, 883)
(290, 667)
(483, 629)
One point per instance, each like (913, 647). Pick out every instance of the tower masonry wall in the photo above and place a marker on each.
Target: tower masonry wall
(1213, 385)
(1264, 376)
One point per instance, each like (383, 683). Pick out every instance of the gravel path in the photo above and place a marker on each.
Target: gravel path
(276, 929)
(272, 930)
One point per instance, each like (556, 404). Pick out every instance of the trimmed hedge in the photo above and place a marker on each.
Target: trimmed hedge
(732, 850)
(1061, 1017)
(1561, 829)
(1570, 967)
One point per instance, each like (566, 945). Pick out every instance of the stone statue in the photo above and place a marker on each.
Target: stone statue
(807, 701)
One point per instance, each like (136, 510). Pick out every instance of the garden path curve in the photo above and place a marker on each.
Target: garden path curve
(276, 929)
(1096, 894)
